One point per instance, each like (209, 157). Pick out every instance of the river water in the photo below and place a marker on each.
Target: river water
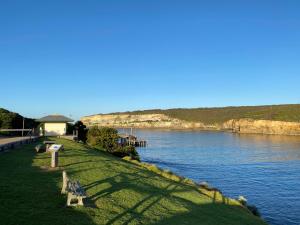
(263, 168)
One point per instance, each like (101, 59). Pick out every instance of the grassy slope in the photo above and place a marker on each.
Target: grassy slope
(219, 115)
(119, 193)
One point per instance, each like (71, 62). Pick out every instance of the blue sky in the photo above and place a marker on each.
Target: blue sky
(85, 57)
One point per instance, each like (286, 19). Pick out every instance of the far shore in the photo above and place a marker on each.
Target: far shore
(201, 130)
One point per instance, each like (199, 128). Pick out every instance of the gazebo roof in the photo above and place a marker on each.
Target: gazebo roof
(55, 118)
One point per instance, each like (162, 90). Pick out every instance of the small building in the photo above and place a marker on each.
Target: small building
(54, 125)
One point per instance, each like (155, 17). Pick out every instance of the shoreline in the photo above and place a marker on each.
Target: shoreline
(202, 130)
(161, 121)
(204, 187)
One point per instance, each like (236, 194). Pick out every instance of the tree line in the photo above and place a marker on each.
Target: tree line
(12, 120)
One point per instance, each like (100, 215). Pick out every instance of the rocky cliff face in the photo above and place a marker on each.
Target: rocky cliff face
(265, 127)
(142, 121)
(163, 121)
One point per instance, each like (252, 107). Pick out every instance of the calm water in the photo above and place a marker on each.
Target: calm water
(265, 169)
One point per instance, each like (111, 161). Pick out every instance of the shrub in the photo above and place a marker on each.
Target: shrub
(104, 137)
(127, 151)
(107, 139)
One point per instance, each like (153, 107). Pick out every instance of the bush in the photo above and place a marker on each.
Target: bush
(107, 139)
(127, 151)
(104, 137)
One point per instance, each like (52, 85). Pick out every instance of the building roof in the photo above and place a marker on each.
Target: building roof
(55, 118)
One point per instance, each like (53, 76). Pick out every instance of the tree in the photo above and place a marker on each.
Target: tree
(81, 131)
(11, 120)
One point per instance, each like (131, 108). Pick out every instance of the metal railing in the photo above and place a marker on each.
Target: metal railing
(29, 131)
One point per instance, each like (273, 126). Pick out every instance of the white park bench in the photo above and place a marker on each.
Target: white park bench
(74, 191)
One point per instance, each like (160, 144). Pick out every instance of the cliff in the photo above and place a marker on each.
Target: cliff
(164, 121)
(265, 127)
(141, 121)
(219, 115)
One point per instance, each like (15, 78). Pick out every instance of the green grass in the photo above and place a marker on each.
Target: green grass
(119, 192)
(289, 113)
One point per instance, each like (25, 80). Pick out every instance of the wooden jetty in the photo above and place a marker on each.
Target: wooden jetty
(131, 140)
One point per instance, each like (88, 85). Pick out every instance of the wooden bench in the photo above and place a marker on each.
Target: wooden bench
(74, 191)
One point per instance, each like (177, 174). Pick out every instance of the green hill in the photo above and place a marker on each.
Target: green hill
(119, 192)
(12, 120)
(290, 113)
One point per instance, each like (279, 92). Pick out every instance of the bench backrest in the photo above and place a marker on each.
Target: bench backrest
(75, 188)
(72, 186)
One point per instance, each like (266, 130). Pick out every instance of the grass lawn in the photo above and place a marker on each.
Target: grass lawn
(119, 192)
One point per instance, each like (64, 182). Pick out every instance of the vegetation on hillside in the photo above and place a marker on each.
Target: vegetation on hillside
(103, 137)
(106, 138)
(11, 120)
(118, 192)
(219, 115)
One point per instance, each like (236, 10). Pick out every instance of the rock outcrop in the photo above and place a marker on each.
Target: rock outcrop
(265, 127)
(142, 121)
(164, 121)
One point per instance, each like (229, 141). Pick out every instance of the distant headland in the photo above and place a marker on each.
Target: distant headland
(265, 119)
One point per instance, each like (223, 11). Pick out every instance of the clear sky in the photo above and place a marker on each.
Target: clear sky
(85, 57)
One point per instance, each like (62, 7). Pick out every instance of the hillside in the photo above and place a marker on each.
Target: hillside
(119, 192)
(275, 119)
(12, 120)
(287, 113)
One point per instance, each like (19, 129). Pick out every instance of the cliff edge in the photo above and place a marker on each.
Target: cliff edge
(163, 121)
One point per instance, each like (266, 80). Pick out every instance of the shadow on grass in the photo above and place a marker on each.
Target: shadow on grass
(109, 200)
(207, 213)
(32, 197)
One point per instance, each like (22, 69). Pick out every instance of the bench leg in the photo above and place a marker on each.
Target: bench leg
(78, 198)
(69, 199)
(64, 189)
(65, 182)
(80, 201)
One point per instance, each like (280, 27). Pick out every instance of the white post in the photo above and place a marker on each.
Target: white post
(23, 127)
(54, 159)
